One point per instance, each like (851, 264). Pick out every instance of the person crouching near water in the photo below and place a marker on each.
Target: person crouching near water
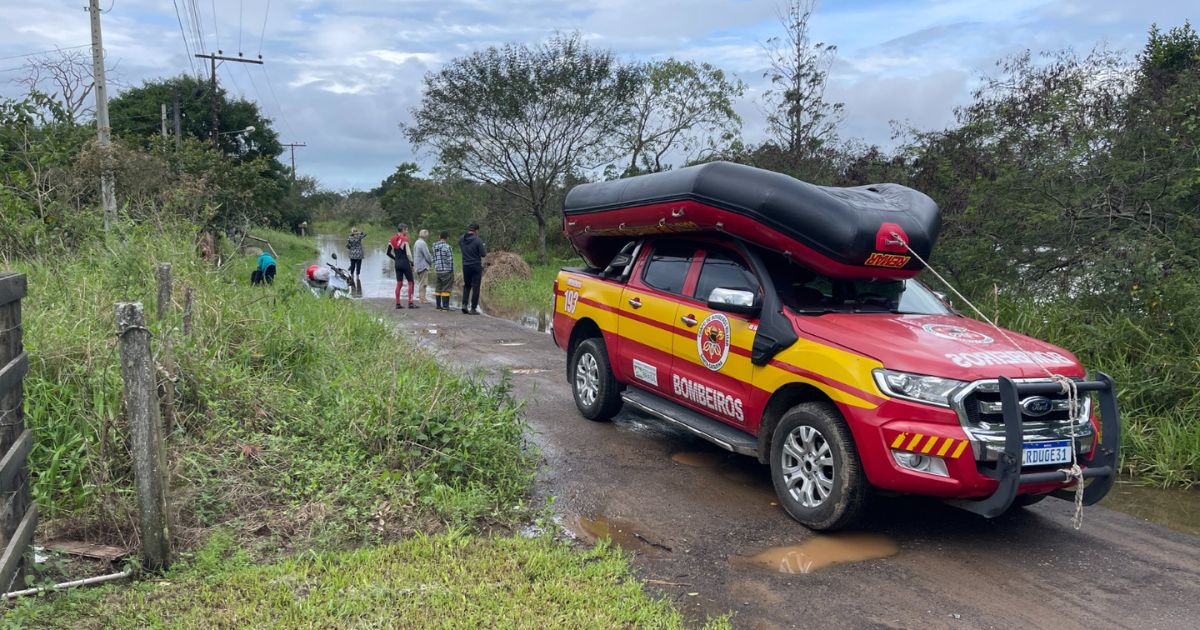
(422, 261)
(472, 250)
(264, 273)
(443, 266)
(401, 253)
(355, 248)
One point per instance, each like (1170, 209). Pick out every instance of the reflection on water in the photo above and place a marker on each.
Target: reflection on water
(1176, 509)
(822, 551)
(378, 279)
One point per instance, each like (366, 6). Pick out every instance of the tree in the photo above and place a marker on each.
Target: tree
(66, 77)
(522, 118)
(135, 114)
(679, 106)
(797, 113)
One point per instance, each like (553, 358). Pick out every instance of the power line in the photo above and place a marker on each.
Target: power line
(186, 47)
(241, 92)
(241, 12)
(257, 97)
(43, 52)
(263, 35)
(278, 106)
(216, 21)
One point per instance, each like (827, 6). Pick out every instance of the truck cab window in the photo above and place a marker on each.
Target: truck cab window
(723, 269)
(806, 291)
(668, 266)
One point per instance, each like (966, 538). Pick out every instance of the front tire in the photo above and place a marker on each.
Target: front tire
(597, 393)
(815, 468)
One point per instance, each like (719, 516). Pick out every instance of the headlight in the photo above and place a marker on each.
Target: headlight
(931, 390)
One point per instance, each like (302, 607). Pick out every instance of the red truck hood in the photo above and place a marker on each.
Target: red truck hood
(940, 345)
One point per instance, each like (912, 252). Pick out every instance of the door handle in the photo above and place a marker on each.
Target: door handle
(635, 302)
(688, 319)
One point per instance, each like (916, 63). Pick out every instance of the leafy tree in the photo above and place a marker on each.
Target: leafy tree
(679, 106)
(523, 117)
(135, 115)
(799, 117)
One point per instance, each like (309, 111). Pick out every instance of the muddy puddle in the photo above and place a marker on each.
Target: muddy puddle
(820, 552)
(624, 534)
(1176, 509)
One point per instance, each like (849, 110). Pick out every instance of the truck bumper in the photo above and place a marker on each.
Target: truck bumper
(892, 437)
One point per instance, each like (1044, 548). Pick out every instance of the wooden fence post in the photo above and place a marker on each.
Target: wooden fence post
(187, 310)
(141, 406)
(164, 290)
(18, 513)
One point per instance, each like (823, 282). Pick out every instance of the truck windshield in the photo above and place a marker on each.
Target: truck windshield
(807, 292)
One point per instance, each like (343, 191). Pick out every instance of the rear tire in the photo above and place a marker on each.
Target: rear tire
(815, 468)
(596, 390)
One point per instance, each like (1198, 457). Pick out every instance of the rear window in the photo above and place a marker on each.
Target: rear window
(668, 266)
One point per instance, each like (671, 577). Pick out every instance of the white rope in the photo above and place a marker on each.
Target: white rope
(1068, 385)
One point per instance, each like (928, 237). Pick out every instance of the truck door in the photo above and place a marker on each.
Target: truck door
(647, 314)
(712, 372)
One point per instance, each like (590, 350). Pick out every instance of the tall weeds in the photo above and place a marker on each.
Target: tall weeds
(299, 418)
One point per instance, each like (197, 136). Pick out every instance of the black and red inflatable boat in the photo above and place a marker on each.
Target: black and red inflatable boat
(839, 232)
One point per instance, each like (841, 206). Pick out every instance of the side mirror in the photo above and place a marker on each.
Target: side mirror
(734, 301)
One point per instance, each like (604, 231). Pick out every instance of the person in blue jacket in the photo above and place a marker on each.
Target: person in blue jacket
(265, 272)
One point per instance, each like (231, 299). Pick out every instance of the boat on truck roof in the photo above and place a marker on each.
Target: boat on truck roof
(860, 232)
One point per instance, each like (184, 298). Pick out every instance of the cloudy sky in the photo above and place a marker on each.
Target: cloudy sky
(341, 75)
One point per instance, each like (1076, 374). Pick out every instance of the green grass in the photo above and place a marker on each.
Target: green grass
(518, 294)
(1154, 357)
(450, 580)
(303, 422)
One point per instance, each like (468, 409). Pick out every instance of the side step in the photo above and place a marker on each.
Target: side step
(716, 432)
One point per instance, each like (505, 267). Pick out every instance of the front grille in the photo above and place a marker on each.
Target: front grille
(982, 408)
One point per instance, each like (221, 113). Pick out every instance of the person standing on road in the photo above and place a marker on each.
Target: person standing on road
(472, 249)
(355, 248)
(400, 252)
(423, 260)
(443, 266)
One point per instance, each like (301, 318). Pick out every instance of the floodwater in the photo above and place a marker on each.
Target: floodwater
(822, 551)
(378, 279)
(1176, 509)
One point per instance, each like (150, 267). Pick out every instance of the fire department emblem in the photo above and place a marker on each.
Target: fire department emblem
(712, 342)
(956, 333)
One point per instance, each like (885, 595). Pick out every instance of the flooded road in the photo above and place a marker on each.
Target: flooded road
(378, 280)
(704, 527)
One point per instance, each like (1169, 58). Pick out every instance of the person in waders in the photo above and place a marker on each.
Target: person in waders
(401, 253)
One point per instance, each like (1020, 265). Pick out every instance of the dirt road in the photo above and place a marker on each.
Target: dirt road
(692, 515)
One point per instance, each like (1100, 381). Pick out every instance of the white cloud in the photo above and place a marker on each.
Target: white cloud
(348, 72)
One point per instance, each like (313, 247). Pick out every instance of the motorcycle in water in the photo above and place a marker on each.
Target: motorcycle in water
(335, 284)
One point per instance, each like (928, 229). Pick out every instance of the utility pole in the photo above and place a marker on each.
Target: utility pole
(213, 65)
(108, 197)
(178, 126)
(162, 139)
(292, 146)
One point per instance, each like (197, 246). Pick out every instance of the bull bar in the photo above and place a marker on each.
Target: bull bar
(1102, 469)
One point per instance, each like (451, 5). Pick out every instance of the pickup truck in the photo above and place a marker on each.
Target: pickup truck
(842, 386)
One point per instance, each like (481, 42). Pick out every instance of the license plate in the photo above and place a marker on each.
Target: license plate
(1044, 453)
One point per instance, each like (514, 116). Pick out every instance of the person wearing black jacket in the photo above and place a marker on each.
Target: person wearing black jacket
(472, 249)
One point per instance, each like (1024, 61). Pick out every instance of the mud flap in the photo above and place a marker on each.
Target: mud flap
(1102, 470)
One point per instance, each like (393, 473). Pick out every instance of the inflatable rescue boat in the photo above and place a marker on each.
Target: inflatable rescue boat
(860, 232)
